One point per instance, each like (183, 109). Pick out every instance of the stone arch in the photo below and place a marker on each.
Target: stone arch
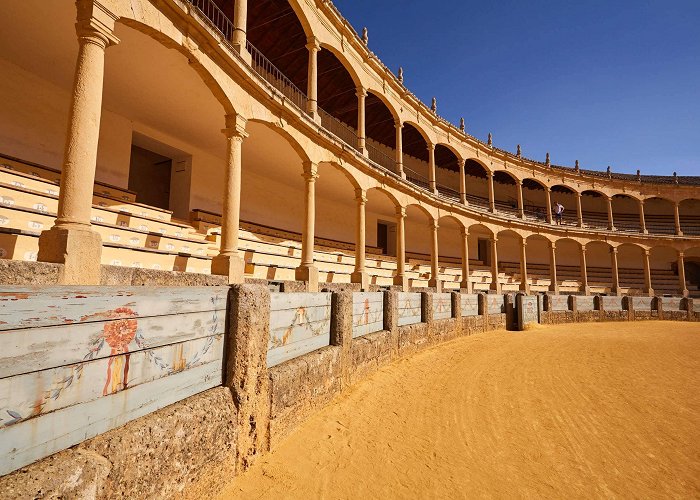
(293, 142)
(594, 207)
(298, 8)
(626, 212)
(345, 62)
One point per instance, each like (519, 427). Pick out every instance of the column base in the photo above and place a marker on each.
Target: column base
(554, 289)
(309, 274)
(78, 249)
(466, 286)
(495, 288)
(360, 277)
(612, 228)
(402, 281)
(232, 266)
(649, 292)
(585, 290)
(684, 293)
(524, 289)
(243, 52)
(615, 292)
(436, 284)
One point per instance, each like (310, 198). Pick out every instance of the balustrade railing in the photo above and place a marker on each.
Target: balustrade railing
(214, 17)
(380, 158)
(339, 129)
(269, 72)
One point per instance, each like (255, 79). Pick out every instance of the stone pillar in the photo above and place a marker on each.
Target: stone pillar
(341, 330)
(229, 262)
(492, 196)
(611, 220)
(681, 275)
(400, 277)
(495, 284)
(399, 148)
(584, 272)
(312, 84)
(642, 223)
(431, 168)
(523, 267)
(615, 288)
(361, 129)
(465, 283)
(240, 21)
(72, 240)
(579, 209)
(553, 285)
(677, 218)
(548, 202)
(360, 275)
(648, 290)
(246, 371)
(434, 254)
(307, 271)
(462, 182)
(521, 203)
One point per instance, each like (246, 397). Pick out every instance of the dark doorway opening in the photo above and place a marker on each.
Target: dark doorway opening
(383, 237)
(149, 177)
(483, 251)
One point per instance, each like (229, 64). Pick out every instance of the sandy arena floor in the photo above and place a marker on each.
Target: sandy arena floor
(588, 410)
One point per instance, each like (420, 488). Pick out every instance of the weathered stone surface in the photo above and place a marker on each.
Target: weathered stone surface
(21, 273)
(412, 338)
(130, 276)
(341, 330)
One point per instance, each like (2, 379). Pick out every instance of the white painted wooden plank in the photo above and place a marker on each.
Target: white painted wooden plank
(284, 301)
(41, 348)
(294, 325)
(29, 441)
(370, 297)
(32, 394)
(495, 303)
(585, 303)
(470, 304)
(559, 302)
(442, 306)
(409, 320)
(672, 303)
(30, 307)
(611, 303)
(285, 353)
(367, 328)
(643, 303)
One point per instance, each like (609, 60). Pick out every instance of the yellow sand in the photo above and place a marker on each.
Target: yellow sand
(588, 410)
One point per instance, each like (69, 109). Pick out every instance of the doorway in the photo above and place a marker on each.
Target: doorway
(149, 177)
(386, 237)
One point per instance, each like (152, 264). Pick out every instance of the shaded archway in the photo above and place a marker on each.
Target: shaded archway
(568, 198)
(477, 184)
(538, 263)
(447, 172)
(509, 255)
(337, 97)
(598, 267)
(450, 251)
(380, 228)
(626, 213)
(415, 156)
(418, 245)
(689, 212)
(631, 269)
(535, 200)
(505, 190)
(380, 131)
(659, 215)
(663, 261)
(479, 241)
(594, 207)
(568, 258)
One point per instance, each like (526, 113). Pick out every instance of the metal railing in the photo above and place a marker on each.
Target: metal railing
(269, 72)
(214, 17)
(380, 158)
(341, 130)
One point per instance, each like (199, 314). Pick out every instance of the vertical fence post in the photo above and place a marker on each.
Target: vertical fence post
(341, 330)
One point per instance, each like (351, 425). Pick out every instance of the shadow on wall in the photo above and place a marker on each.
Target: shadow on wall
(692, 271)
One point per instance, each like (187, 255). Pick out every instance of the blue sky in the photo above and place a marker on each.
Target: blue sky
(612, 82)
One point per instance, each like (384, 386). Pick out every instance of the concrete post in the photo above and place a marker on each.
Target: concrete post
(681, 275)
(648, 290)
(579, 209)
(611, 220)
(642, 222)
(341, 330)
(307, 271)
(524, 286)
(462, 182)
(492, 196)
(465, 284)
(615, 288)
(229, 262)
(240, 22)
(399, 148)
(360, 275)
(313, 46)
(431, 168)
(584, 272)
(72, 241)
(677, 218)
(434, 254)
(426, 307)
(391, 320)
(553, 281)
(548, 203)
(659, 307)
(690, 309)
(521, 203)
(400, 277)
(495, 284)
(246, 370)
(361, 129)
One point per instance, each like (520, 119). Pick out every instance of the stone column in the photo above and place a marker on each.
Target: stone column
(677, 218)
(240, 21)
(648, 290)
(229, 262)
(521, 203)
(611, 220)
(312, 84)
(434, 255)
(400, 277)
(584, 272)
(431, 168)
(615, 288)
(548, 203)
(492, 196)
(495, 284)
(681, 275)
(642, 223)
(361, 129)
(399, 148)
(462, 182)
(523, 267)
(360, 274)
(553, 285)
(72, 240)
(579, 209)
(465, 284)
(307, 271)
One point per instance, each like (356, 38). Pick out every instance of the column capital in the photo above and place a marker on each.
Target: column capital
(464, 232)
(96, 23)
(361, 92)
(613, 250)
(433, 224)
(553, 245)
(313, 44)
(579, 194)
(646, 252)
(310, 171)
(523, 242)
(518, 182)
(235, 127)
(489, 174)
(493, 239)
(360, 196)
(398, 124)
(641, 201)
(431, 146)
(681, 254)
(583, 248)
(401, 212)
